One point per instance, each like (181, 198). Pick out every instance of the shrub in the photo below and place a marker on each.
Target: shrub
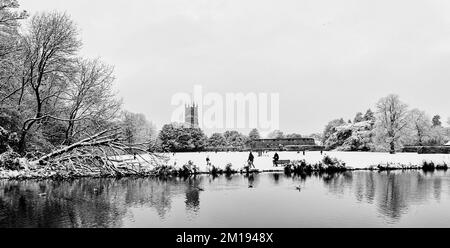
(9, 160)
(164, 170)
(328, 164)
(229, 170)
(188, 169)
(428, 166)
(215, 171)
(287, 170)
(327, 160)
(8, 140)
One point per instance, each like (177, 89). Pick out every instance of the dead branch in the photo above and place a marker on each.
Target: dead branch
(104, 151)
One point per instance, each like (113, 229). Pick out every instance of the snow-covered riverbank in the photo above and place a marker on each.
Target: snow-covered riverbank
(355, 160)
(145, 165)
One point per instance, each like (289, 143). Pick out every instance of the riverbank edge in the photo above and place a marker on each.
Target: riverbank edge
(58, 175)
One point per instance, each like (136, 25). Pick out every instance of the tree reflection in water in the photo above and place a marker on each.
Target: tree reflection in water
(80, 203)
(193, 195)
(392, 191)
(83, 202)
(107, 202)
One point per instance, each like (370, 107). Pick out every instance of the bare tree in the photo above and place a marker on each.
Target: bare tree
(438, 136)
(392, 121)
(10, 48)
(90, 97)
(420, 124)
(276, 134)
(254, 134)
(50, 46)
(136, 128)
(9, 23)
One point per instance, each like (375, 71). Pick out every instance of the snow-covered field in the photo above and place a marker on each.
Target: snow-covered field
(357, 160)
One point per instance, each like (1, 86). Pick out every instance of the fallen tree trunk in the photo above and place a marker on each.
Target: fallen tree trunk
(104, 151)
(90, 141)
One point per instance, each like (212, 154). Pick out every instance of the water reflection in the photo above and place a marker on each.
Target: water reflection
(81, 203)
(393, 192)
(437, 188)
(110, 202)
(193, 195)
(276, 178)
(84, 202)
(251, 180)
(337, 183)
(398, 190)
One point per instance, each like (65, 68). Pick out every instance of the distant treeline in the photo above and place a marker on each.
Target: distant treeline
(184, 138)
(390, 128)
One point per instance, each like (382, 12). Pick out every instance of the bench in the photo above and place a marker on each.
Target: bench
(283, 162)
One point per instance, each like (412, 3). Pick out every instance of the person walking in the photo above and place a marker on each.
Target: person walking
(250, 160)
(208, 163)
(276, 157)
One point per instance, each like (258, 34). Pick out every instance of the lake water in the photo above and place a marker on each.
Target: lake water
(353, 199)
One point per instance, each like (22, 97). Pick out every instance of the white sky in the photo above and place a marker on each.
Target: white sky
(326, 58)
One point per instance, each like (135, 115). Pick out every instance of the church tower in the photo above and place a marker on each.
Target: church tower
(191, 115)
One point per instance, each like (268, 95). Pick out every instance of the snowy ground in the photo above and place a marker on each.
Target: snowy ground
(357, 160)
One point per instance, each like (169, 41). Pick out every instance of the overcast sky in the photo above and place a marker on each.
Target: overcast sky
(326, 58)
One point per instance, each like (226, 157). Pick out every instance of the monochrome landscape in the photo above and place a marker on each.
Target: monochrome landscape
(216, 114)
